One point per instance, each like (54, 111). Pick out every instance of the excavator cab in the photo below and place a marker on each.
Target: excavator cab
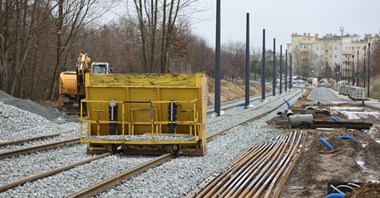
(100, 68)
(71, 87)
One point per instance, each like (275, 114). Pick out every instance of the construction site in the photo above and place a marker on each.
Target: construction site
(129, 99)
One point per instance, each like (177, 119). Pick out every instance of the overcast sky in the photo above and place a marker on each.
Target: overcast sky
(282, 17)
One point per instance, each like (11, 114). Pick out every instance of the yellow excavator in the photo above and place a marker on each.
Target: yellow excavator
(71, 86)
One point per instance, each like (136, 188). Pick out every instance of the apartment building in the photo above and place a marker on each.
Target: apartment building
(330, 55)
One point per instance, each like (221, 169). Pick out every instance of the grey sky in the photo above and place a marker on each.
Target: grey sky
(282, 17)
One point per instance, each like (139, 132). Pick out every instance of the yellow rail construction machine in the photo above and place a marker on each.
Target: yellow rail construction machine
(71, 86)
(145, 113)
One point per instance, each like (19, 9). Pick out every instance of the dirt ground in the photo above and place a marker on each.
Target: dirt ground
(349, 161)
(230, 90)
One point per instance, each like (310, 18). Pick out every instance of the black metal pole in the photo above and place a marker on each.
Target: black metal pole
(247, 68)
(357, 69)
(353, 70)
(263, 70)
(280, 69)
(286, 70)
(290, 72)
(274, 68)
(364, 65)
(369, 66)
(217, 60)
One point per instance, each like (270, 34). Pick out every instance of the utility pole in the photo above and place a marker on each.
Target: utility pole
(286, 70)
(369, 66)
(290, 73)
(364, 65)
(357, 69)
(247, 68)
(263, 70)
(274, 68)
(217, 60)
(280, 69)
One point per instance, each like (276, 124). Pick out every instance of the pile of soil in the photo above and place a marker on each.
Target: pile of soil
(230, 90)
(366, 190)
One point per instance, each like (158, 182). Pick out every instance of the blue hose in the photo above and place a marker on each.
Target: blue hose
(347, 137)
(287, 103)
(335, 195)
(326, 143)
(336, 119)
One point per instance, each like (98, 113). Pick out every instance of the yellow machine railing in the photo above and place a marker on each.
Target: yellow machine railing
(128, 124)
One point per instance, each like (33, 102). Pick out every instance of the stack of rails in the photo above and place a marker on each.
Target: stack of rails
(260, 171)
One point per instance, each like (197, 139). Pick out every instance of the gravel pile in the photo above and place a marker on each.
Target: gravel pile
(51, 114)
(18, 124)
(181, 175)
(79, 177)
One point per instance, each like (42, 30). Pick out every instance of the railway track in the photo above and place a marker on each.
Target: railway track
(49, 173)
(245, 119)
(285, 96)
(235, 103)
(117, 179)
(39, 148)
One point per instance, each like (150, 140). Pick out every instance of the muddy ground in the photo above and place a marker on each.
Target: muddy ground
(349, 161)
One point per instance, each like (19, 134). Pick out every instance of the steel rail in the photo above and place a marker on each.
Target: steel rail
(253, 179)
(221, 180)
(119, 178)
(258, 107)
(256, 171)
(236, 172)
(286, 164)
(248, 119)
(290, 168)
(35, 177)
(210, 109)
(259, 189)
(38, 148)
(33, 138)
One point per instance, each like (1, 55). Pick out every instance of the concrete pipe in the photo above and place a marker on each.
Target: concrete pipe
(298, 120)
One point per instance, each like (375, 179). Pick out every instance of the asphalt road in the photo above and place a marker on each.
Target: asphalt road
(325, 96)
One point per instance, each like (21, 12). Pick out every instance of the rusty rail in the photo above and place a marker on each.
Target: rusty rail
(38, 148)
(119, 178)
(257, 171)
(35, 177)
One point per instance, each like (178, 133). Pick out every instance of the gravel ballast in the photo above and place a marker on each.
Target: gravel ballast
(71, 181)
(181, 175)
(25, 165)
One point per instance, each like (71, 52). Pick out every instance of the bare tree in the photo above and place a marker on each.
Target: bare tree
(156, 21)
